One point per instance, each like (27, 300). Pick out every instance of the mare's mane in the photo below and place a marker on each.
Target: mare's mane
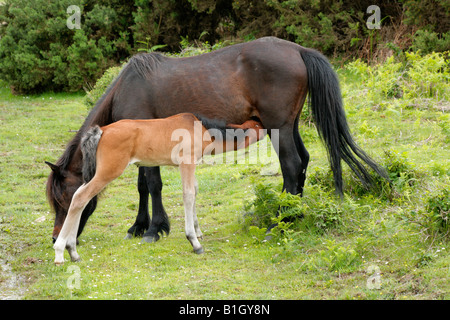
(101, 114)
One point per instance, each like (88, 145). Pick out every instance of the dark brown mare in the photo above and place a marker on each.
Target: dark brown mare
(267, 78)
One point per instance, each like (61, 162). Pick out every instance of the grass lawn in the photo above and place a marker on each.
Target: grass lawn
(369, 245)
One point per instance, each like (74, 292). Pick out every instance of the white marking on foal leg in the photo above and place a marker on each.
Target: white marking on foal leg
(188, 179)
(189, 200)
(59, 247)
(198, 232)
(68, 236)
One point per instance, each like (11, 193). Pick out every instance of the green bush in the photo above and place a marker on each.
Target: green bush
(93, 95)
(38, 52)
(428, 41)
(415, 76)
(319, 210)
(427, 76)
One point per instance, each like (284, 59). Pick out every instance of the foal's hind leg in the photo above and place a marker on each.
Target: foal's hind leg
(188, 179)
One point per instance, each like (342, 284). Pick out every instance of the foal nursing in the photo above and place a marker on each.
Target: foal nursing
(181, 140)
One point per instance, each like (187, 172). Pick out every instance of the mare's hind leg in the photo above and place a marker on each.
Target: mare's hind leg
(290, 161)
(304, 156)
(188, 180)
(160, 221)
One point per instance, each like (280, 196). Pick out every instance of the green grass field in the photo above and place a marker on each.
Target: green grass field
(391, 243)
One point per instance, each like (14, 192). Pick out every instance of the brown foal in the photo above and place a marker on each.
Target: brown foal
(180, 140)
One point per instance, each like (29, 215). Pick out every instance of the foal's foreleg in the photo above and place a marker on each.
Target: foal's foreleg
(68, 236)
(188, 179)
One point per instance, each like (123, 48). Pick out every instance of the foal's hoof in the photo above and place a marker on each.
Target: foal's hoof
(199, 251)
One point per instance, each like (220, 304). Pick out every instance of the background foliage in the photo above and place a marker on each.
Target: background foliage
(38, 52)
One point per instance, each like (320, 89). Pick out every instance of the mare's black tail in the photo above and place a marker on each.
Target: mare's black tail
(89, 143)
(325, 101)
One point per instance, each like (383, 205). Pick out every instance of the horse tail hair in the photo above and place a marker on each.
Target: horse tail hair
(88, 145)
(325, 101)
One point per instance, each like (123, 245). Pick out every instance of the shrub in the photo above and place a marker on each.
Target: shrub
(412, 76)
(400, 170)
(318, 211)
(100, 86)
(38, 52)
(427, 76)
(340, 258)
(427, 41)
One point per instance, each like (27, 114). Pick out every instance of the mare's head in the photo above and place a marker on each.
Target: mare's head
(64, 179)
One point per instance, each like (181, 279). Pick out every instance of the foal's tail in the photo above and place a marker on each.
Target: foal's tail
(88, 145)
(325, 101)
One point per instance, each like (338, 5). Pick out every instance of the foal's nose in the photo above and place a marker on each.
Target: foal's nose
(54, 239)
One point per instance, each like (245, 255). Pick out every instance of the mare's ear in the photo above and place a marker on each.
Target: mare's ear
(54, 167)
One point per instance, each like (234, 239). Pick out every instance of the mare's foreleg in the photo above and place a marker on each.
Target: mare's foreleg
(188, 180)
(160, 221)
(143, 220)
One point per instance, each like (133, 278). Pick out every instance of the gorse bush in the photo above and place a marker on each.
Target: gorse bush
(38, 52)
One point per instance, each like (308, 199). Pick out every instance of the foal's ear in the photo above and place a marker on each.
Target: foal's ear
(54, 167)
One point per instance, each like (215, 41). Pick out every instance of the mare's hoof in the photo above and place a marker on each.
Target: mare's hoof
(149, 239)
(128, 236)
(199, 251)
